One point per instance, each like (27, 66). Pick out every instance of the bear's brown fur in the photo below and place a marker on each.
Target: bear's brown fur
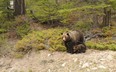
(80, 48)
(73, 41)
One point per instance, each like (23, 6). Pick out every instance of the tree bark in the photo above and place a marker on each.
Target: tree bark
(19, 7)
(95, 20)
(107, 17)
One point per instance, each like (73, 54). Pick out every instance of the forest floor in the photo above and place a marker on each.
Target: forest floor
(46, 61)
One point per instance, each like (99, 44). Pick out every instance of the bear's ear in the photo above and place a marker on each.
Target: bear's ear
(68, 34)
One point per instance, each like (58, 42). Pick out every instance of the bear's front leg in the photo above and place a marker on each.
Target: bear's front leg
(70, 47)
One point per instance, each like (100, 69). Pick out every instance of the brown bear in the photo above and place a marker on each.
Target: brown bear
(80, 48)
(74, 41)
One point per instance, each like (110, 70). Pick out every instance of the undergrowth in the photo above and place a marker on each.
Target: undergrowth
(20, 25)
(106, 44)
(2, 39)
(49, 39)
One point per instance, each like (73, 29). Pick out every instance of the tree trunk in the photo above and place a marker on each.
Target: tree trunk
(95, 20)
(107, 17)
(19, 7)
(57, 1)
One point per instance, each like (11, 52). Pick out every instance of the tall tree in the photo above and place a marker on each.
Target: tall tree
(19, 7)
(107, 17)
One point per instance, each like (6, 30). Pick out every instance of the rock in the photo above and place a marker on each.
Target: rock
(110, 57)
(12, 70)
(102, 59)
(75, 59)
(101, 66)
(49, 55)
(85, 65)
(70, 71)
(88, 70)
(1, 63)
(95, 68)
(63, 64)
(49, 70)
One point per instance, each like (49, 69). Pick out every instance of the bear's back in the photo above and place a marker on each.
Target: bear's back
(76, 36)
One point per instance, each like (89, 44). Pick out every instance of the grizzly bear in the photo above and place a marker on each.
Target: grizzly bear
(74, 41)
(80, 48)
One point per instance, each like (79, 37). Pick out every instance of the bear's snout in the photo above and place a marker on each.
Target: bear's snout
(64, 39)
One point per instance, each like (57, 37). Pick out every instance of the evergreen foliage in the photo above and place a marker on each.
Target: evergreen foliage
(5, 12)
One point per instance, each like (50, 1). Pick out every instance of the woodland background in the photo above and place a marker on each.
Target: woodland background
(27, 25)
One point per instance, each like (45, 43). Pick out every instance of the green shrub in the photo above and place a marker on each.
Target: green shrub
(83, 25)
(2, 39)
(109, 31)
(43, 10)
(22, 30)
(7, 25)
(46, 39)
(4, 49)
(2, 30)
(100, 45)
(20, 25)
(111, 47)
(90, 44)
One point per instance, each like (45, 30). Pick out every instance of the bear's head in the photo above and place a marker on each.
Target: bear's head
(65, 36)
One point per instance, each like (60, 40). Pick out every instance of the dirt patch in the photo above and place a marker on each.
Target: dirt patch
(45, 61)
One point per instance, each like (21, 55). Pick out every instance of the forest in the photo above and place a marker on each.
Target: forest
(36, 25)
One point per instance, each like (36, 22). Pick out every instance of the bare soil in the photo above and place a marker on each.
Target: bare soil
(46, 61)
